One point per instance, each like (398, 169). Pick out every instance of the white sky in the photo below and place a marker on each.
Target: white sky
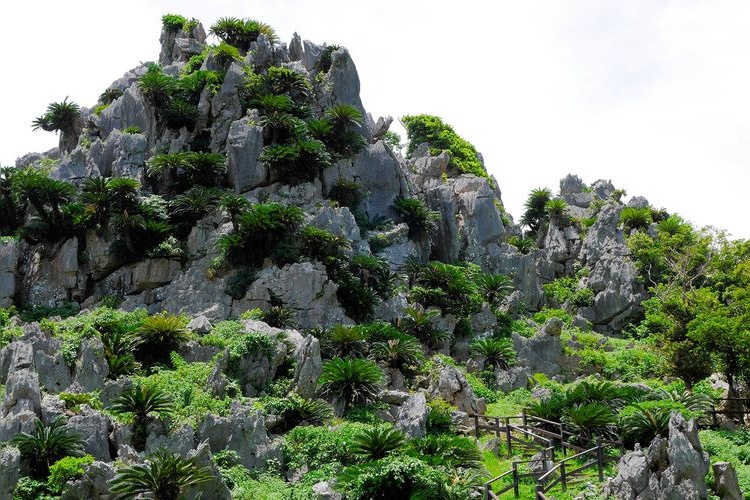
(652, 94)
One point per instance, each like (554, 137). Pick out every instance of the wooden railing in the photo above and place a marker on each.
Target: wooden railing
(528, 432)
(547, 481)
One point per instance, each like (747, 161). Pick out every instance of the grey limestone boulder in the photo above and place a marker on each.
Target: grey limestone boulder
(91, 368)
(541, 353)
(671, 469)
(22, 393)
(130, 110)
(244, 145)
(226, 107)
(93, 485)
(451, 385)
(8, 262)
(324, 490)
(412, 416)
(94, 428)
(179, 441)
(215, 488)
(726, 484)
(200, 324)
(10, 471)
(244, 431)
(309, 367)
(51, 274)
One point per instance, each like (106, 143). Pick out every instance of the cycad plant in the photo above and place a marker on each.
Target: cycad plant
(156, 86)
(535, 214)
(341, 341)
(234, 204)
(164, 476)
(635, 218)
(556, 208)
(498, 353)
(97, 196)
(641, 423)
(377, 442)
(194, 204)
(447, 450)
(494, 287)
(590, 420)
(47, 444)
(351, 380)
(401, 351)
(118, 351)
(62, 117)
(421, 220)
(418, 321)
(159, 335)
(522, 243)
(142, 402)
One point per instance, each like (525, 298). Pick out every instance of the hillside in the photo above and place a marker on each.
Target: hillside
(229, 267)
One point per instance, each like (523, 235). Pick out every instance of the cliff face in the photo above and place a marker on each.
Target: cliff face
(83, 269)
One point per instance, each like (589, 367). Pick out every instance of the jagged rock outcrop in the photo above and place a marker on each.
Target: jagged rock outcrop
(94, 484)
(726, 484)
(244, 431)
(412, 416)
(450, 384)
(672, 468)
(94, 428)
(8, 263)
(10, 471)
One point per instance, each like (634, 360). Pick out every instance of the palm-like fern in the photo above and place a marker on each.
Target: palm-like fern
(448, 451)
(420, 219)
(590, 420)
(643, 424)
(497, 352)
(59, 116)
(351, 380)
(494, 287)
(47, 444)
(159, 335)
(341, 341)
(165, 476)
(377, 442)
(142, 402)
(402, 351)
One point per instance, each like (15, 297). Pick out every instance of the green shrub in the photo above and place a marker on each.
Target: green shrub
(393, 477)
(567, 289)
(29, 488)
(242, 32)
(439, 419)
(447, 450)
(440, 136)
(173, 22)
(325, 58)
(133, 129)
(73, 401)
(316, 447)
(67, 469)
(225, 53)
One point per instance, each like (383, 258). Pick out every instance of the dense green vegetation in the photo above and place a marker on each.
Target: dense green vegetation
(440, 136)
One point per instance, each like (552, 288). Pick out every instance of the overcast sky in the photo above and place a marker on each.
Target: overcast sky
(652, 94)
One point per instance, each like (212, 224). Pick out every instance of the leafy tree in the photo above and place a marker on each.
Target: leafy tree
(47, 444)
(165, 476)
(142, 402)
(440, 136)
(351, 380)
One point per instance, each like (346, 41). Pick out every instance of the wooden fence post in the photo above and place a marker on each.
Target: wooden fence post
(600, 458)
(523, 417)
(476, 425)
(563, 481)
(507, 435)
(515, 480)
(497, 427)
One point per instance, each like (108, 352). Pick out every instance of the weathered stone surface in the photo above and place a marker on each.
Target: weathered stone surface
(302, 286)
(340, 222)
(325, 490)
(130, 110)
(522, 269)
(180, 441)
(215, 488)
(10, 471)
(226, 107)
(412, 416)
(8, 263)
(244, 145)
(200, 324)
(93, 485)
(22, 393)
(244, 432)
(669, 469)
(52, 408)
(726, 485)
(451, 385)
(91, 367)
(541, 353)
(309, 367)
(94, 429)
(51, 274)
